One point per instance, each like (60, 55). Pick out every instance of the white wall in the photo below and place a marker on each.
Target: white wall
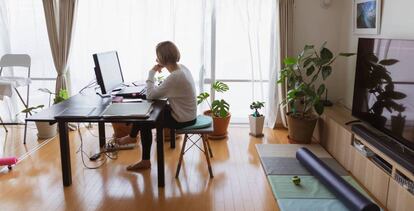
(313, 25)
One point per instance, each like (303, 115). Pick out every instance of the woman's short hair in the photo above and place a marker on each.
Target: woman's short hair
(167, 53)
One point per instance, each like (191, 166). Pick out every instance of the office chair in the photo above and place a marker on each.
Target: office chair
(17, 60)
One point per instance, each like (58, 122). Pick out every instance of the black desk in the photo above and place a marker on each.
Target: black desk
(92, 100)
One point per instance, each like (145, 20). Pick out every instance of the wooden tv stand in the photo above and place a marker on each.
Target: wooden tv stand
(377, 172)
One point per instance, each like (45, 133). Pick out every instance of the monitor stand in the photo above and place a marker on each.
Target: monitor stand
(103, 96)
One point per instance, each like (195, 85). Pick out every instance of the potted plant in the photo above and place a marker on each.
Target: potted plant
(219, 111)
(256, 120)
(46, 130)
(304, 97)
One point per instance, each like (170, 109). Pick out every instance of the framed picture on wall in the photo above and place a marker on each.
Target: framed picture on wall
(367, 16)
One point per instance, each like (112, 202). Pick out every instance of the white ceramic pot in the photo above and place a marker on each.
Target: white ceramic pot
(45, 130)
(256, 125)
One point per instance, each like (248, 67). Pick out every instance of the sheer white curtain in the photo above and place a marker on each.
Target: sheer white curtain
(133, 28)
(28, 35)
(7, 111)
(244, 30)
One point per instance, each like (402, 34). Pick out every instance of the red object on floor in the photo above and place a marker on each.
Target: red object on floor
(8, 161)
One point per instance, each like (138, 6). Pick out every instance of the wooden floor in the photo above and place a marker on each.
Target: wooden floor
(11, 143)
(239, 182)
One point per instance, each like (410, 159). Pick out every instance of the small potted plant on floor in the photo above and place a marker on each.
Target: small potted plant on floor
(46, 130)
(303, 75)
(219, 111)
(256, 120)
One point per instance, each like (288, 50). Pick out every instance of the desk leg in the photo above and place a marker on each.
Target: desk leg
(102, 139)
(65, 153)
(160, 156)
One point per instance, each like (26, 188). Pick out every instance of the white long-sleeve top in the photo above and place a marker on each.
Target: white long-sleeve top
(179, 88)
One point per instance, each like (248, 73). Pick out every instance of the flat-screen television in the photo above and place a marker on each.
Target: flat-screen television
(384, 87)
(108, 71)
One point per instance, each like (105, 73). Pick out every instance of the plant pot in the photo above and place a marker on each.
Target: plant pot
(256, 125)
(46, 130)
(301, 129)
(121, 129)
(220, 126)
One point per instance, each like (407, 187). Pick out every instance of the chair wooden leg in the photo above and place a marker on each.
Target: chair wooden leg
(181, 156)
(204, 137)
(208, 146)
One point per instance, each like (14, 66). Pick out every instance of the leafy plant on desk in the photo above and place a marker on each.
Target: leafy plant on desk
(219, 108)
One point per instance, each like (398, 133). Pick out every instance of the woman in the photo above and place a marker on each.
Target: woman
(178, 88)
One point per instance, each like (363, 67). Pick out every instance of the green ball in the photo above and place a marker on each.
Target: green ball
(296, 180)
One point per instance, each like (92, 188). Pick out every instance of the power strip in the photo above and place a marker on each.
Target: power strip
(110, 148)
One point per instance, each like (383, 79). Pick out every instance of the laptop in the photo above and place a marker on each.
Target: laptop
(122, 110)
(139, 91)
(110, 78)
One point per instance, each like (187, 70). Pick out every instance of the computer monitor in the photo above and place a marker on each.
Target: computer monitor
(108, 71)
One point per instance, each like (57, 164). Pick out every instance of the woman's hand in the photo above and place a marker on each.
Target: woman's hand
(157, 68)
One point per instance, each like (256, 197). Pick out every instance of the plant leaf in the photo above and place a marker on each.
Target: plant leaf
(220, 86)
(346, 54)
(307, 62)
(220, 108)
(308, 47)
(321, 89)
(326, 54)
(290, 61)
(318, 106)
(326, 72)
(310, 70)
(373, 58)
(388, 62)
(202, 97)
(46, 90)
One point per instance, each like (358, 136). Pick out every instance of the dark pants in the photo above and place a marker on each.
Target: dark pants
(146, 134)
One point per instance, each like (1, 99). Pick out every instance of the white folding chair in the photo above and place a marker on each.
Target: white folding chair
(17, 60)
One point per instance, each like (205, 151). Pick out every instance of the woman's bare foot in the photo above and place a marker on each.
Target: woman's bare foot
(125, 140)
(142, 165)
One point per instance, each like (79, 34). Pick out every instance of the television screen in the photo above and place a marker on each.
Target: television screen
(384, 87)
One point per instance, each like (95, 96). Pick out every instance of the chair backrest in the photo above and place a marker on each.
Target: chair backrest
(15, 60)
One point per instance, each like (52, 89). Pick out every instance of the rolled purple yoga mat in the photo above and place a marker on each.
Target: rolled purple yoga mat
(348, 195)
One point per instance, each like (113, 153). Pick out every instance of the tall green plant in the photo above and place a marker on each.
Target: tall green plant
(301, 75)
(219, 108)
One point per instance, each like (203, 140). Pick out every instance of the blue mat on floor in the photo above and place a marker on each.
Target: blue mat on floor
(280, 165)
